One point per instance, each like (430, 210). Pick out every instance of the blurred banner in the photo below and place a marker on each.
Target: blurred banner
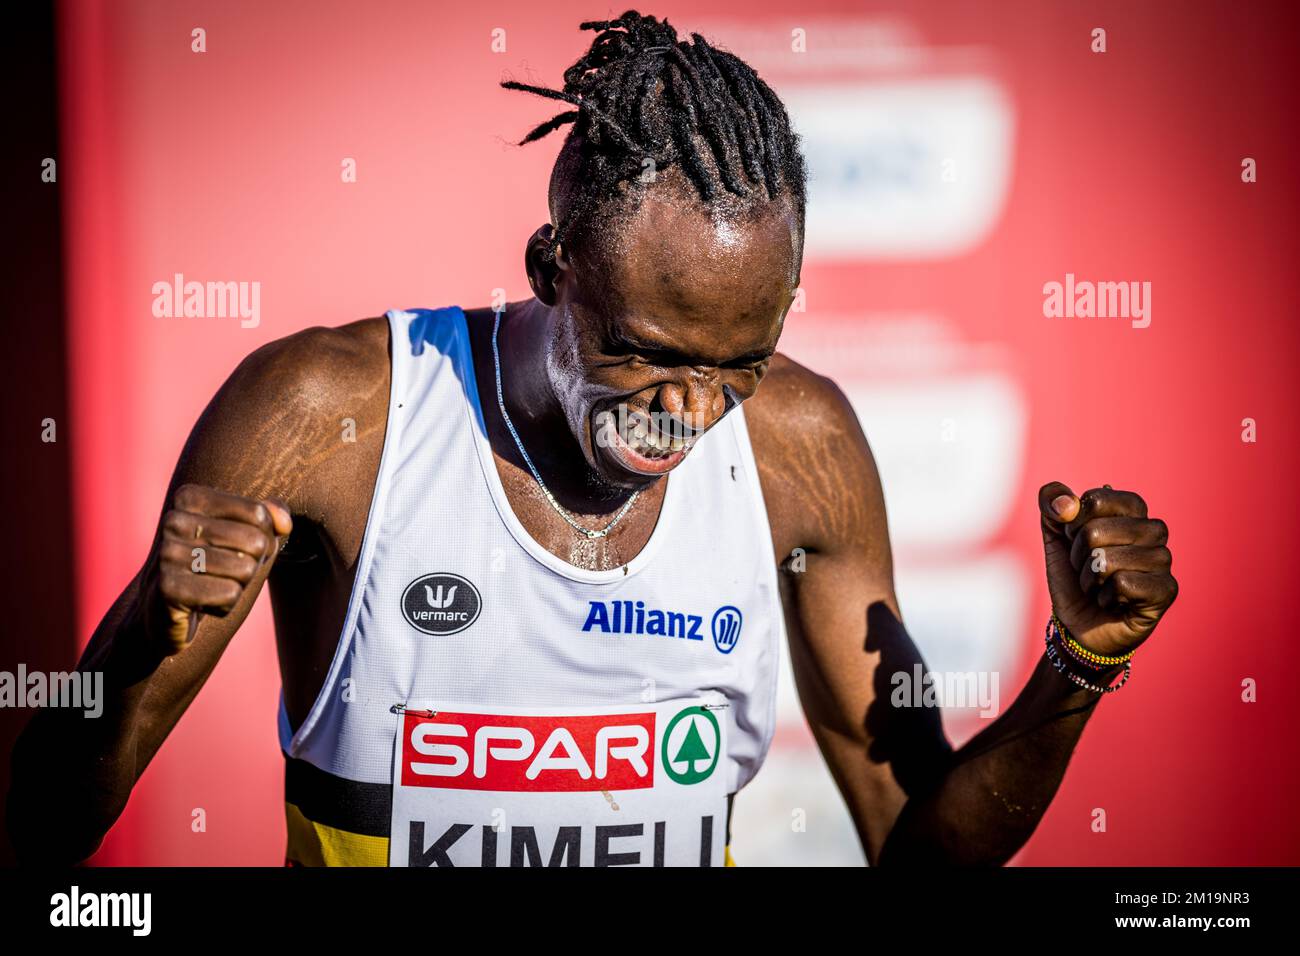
(963, 157)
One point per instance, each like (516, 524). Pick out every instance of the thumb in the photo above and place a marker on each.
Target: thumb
(1059, 506)
(280, 516)
(283, 525)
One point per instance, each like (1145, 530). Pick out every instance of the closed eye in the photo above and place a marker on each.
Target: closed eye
(661, 359)
(664, 358)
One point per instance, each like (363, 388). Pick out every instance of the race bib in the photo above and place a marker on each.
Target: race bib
(560, 786)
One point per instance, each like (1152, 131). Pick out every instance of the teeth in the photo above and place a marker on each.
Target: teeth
(641, 433)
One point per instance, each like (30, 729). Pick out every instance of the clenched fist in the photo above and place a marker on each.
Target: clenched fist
(213, 545)
(1107, 566)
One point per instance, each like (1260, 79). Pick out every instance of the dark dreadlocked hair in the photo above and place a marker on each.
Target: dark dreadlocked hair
(641, 94)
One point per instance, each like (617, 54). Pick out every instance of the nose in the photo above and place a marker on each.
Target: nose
(696, 403)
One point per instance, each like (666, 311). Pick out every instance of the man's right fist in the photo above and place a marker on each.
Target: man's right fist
(213, 545)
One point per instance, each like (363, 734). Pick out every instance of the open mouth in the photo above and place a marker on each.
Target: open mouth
(644, 444)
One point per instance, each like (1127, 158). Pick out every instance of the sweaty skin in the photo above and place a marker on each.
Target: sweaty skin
(681, 316)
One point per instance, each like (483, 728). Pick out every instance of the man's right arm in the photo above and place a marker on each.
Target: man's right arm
(226, 512)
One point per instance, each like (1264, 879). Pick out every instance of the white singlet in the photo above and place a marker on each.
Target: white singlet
(491, 704)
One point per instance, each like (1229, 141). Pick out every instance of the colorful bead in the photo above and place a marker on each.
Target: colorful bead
(1054, 630)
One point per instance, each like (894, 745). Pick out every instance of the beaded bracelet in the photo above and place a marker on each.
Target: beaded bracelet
(1081, 661)
(1077, 650)
(1058, 662)
(1065, 641)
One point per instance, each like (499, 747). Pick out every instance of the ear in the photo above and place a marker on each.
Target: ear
(546, 264)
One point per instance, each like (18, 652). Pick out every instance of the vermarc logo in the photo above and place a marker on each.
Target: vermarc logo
(436, 599)
(441, 603)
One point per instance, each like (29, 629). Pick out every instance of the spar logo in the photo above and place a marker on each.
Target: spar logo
(691, 745)
(512, 752)
(441, 603)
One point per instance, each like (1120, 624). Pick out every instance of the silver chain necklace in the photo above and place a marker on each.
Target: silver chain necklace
(501, 404)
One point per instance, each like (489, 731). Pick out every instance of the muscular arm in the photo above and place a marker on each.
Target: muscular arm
(261, 437)
(913, 798)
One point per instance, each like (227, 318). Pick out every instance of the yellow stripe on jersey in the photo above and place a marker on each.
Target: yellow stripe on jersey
(315, 844)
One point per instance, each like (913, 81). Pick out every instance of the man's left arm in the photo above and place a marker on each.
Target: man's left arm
(1108, 574)
(913, 797)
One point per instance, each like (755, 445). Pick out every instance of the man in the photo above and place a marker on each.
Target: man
(529, 564)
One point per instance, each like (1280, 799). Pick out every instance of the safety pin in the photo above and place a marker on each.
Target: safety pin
(403, 709)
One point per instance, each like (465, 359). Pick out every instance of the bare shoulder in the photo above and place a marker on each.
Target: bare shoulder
(792, 395)
(818, 474)
(318, 365)
(290, 408)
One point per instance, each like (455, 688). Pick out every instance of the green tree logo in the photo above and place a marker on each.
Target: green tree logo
(697, 749)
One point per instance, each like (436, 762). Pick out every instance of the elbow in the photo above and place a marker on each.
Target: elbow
(47, 833)
(52, 820)
(923, 837)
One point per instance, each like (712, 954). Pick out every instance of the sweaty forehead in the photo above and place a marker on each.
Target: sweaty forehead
(674, 253)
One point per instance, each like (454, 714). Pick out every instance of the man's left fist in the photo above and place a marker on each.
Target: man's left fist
(1107, 566)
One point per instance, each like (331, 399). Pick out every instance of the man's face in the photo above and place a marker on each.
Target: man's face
(668, 328)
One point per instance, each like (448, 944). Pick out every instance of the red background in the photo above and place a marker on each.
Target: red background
(226, 165)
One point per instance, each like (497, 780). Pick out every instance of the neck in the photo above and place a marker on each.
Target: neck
(523, 340)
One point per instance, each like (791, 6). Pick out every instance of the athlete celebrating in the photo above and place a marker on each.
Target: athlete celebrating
(530, 564)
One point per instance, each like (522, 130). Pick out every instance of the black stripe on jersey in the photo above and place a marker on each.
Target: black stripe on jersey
(364, 808)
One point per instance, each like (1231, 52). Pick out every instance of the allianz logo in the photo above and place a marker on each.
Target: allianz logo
(633, 617)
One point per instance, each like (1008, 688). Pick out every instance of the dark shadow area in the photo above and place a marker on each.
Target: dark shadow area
(39, 627)
(910, 739)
